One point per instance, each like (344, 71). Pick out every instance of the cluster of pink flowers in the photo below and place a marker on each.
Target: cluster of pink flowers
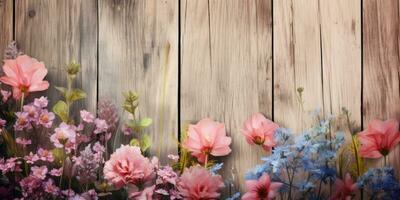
(34, 114)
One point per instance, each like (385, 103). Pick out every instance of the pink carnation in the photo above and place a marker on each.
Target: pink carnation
(86, 116)
(198, 183)
(64, 136)
(128, 166)
(259, 130)
(207, 137)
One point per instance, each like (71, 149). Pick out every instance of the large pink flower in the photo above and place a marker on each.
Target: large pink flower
(379, 138)
(198, 183)
(24, 74)
(344, 190)
(128, 166)
(259, 130)
(207, 137)
(261, 189)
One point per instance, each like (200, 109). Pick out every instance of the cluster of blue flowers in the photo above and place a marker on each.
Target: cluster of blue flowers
(380, 183)
(303, 163)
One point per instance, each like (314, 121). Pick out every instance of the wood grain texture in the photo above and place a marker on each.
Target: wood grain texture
(381, 56)
(227, 72)
(6, 24)
(317, 46)
(58, 32)
(138, 47)
(297, 62)
(340, 32)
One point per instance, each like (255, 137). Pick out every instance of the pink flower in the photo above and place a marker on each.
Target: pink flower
(344, 190)
(261, 189)
(207, 137)
(24, 74)
(46, 118)
(41, 102)
(86, 116)
(5, 95)
(50, 188)
(198, 183)
(31, 158)
(259, 130)
(63, 135)
(135, 193)
(30, 185)
(174, 158)
(379, 138)
(22, 121)
(10, 165)
(56, 172)
(32, 111)
(22, 141)
(39, 172)
(101, 126)
(45, 155)
(128, 166)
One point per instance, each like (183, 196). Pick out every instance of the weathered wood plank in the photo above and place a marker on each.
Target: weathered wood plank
(227, 71)
(317, 46)
(297, 62)
(138, 47)
(381, 70)
(340, 32)
(57, 32)
(6, 24)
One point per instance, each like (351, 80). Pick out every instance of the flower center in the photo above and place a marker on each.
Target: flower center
(262, 193)
(258, 140)
(384, 151)
(24, 88)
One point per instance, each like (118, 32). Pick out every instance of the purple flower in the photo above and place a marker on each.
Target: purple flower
(46, 118)
(41, 102)
(101, 126)
(22, 121)
(86, 116)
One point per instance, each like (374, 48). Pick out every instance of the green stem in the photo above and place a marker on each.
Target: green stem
(385, 160)
(206, 161)
(22, 100)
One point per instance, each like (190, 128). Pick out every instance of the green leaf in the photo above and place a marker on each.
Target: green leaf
(62, 90)
(145, 143)
(76, 94)
(134, 142)
(61, 110)
(145, 122)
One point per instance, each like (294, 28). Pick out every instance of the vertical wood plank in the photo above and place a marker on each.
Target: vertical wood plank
(317, 46)
(57, 32)
(6, 24)
(138, 47)
(381, 72)
(297, 62)
(340, 30)
(227, 71)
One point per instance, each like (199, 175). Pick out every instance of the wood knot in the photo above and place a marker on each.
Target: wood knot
(31, 13)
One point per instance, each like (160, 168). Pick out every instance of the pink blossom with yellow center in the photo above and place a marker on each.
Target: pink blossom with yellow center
(24, 75)
(207, 137)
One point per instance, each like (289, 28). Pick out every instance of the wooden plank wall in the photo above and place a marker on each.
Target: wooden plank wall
(236, 57)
